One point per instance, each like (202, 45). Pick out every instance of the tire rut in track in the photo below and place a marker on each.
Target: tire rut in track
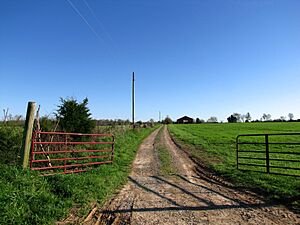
(185, 198)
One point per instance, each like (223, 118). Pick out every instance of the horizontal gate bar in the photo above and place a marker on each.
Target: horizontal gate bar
(72, 158)
(66, 162)
(74, 134)
(272, 143)
(274, 134)
(251, 143)
(73, 143)
(270, 155)
(244, 157)
(285, 167)
(69, 151)
(288, 153)
(250, 164)
(252, 151)
(70, 166)
(285, 160)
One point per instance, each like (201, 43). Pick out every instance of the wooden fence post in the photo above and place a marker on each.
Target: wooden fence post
(27, 135)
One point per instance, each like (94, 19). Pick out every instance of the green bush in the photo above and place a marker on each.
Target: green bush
(74, 116)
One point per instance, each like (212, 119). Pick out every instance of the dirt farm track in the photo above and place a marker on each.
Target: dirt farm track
(188, 197)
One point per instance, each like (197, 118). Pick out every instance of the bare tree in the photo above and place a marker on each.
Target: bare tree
(248, 117)
(291, 116)
(212, 119)
(237, 116)
(18, 117)
(266, 117)
(243, 118)
(5, 113)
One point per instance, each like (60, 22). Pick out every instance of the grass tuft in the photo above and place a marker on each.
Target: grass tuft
(165, 158)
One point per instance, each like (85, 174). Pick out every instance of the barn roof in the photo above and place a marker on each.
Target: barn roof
(185, 118)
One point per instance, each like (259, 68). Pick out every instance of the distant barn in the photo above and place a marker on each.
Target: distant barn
(185, 120)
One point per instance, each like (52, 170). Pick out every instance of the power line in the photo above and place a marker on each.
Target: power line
(83, 18)
(98, 21)
(90, 26)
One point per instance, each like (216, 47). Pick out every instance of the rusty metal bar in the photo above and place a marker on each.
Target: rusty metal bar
(78, 158)
(68, 148)
(65, 161)
(32, 149)
(74, 134)
(113, 149)
(69, 151)
(74, 143)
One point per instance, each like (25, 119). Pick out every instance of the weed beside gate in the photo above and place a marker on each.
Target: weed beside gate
(10, 143)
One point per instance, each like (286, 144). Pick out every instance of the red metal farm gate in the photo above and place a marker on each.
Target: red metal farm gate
(63, 153)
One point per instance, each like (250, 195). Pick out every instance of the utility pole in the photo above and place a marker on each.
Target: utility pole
(133, 99)
(159, 117)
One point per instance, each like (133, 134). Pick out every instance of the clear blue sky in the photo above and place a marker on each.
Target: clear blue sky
(191, 57)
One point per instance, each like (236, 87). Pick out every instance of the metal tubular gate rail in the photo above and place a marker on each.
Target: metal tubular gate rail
(65, 153)
(245, 157)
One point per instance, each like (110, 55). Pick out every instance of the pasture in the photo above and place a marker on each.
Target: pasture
(215, 146)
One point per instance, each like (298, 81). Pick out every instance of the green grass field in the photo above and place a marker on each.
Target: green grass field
(214, 144)
(27, 198)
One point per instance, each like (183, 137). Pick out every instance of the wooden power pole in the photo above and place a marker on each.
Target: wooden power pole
(133, 99)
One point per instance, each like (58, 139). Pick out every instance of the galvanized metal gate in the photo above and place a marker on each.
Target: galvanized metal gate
(277, 153)
(63, 153)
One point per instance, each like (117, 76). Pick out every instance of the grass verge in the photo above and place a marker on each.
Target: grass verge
(214, 145)
(165, 158)
(27, 198)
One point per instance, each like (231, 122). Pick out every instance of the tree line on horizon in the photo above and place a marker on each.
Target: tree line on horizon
(70, 116)
(75, 116)
(239, 118)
